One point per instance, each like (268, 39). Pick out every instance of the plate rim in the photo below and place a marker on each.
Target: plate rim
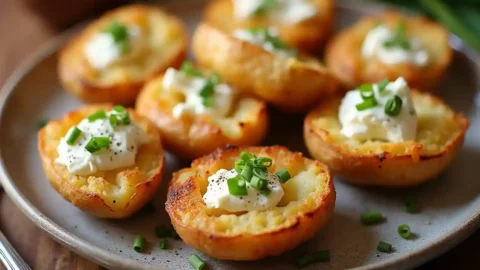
(110, 259)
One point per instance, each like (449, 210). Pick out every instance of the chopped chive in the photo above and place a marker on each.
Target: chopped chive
(382, 84)
(247, 172)
(264, 7)
(260, 162)
(258, 183)
(393, 107)
(371, 217)
(366, 104)
(384, 247)
(283, 176)
(139, 244)
(42, 123)
(97, 143)
(404, 231)
(412, 206)
(239, 165)
(246, 156)
(119, 108)
(113, 120)
(315, 257)
(117, 30)
(260, 173)
(73, 136)
(366, 91)
(189, 70)
(196, 262)
(125, 118)
(235, 186)
(100, 114)
(163, 244)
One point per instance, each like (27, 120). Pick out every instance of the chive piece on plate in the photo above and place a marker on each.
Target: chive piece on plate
(371, 217)
(139, 244)
(163, 244)
(196, 262)
(283, 175)
(310, 258)
(404, 231)
(384, 247)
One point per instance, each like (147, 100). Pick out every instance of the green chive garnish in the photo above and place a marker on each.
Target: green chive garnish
(366, 104)
(73, 136)
(283, 176)
(264, 6)
(278, 44)
(399, 39)
(258, 183)
(163, 244)
(382, 84)
(188, 68)
(118, 108)
(393, 107)
(315, 257)
(412, 206)
(196, 262)
(113, 120)
(366, 91)
(404, 231)
(265, 191)
(97, 143)
(371, 217)
(237, 186)
(100, 114)
(139, 244)
(262, 162)
(247, 172)
(260, 173)
(246, 156)
(384, 247)
(239, 166)
(118, 31)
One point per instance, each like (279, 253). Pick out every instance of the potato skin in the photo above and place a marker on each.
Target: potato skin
(382, 163)
(292, 224)
(92, 193)
(343, 53)
(288, 83)
(197, 135)
(120, 82)
(308, 35)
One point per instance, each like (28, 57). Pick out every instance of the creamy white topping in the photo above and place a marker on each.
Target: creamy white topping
(190, 87)
(124, 143)
(217, 195)
(283, 11)
(374, 123)
(260, 38)
(101, 50)
(373, 46)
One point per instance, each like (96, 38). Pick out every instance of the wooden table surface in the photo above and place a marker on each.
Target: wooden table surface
(22, 33)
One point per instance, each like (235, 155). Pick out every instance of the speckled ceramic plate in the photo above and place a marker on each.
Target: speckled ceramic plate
(451, 204)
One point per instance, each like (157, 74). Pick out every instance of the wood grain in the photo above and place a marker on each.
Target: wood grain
(22, 34)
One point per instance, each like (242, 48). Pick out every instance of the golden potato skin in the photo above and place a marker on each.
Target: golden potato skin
(163, 45)
(288, 83)
(304, 209)
(93, 194)
(440, 134)
(344, 58)
(191, 136)
(308, 35)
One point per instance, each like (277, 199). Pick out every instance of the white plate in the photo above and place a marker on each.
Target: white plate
(451, 203)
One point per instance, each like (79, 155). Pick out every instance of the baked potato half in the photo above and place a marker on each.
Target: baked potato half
(307, 204)
(440, 133)
(157, 40)
(194, 135)
(307, 35)
(114, 193)
(290, 83)
(344, 58)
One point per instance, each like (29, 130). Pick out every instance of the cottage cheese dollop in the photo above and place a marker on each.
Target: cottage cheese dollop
(283, 11)
(217, 195)
(124, 143)
(262, 38)
(190, 87)
(374, 123)
(374, 46)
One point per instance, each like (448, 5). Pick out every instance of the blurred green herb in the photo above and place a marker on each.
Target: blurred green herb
(461, 17)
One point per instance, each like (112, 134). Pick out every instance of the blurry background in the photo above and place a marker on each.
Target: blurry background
(26, 24)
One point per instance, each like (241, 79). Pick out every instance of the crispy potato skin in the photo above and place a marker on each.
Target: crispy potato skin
(344, 58)
(191, 136)
(256, 234)
(308, 35)
(98, 194)
(120, 82)
(288, 83)
(440, 136)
